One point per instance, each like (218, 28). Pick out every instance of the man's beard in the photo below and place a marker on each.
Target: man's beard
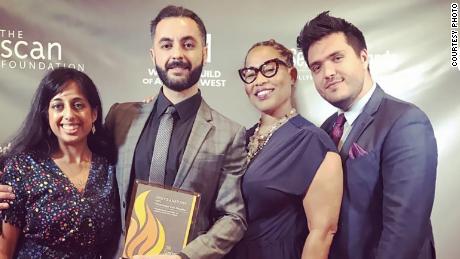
(179, 85)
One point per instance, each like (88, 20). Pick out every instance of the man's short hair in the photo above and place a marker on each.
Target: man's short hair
(178, 11)
(323, 25)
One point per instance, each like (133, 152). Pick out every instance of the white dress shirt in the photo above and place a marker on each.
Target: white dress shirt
(353, 113)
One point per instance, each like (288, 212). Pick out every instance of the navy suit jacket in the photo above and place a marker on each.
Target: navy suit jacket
(388, 192)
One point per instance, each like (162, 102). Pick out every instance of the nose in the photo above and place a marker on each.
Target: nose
(177, 52)
(68, 113)
(329, 70)
(260, 79)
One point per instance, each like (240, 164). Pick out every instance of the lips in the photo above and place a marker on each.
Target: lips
(263, 93)
(177, 70)
(178, 64)
(332, 84)
(70, 128)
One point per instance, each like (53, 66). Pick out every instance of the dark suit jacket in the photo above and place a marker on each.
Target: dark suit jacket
(388, 192)
(212, 165)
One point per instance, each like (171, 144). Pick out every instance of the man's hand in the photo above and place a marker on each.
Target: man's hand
(6, 193)
(157, 257)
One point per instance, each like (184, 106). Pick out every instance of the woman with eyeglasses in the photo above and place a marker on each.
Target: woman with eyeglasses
(293, 183)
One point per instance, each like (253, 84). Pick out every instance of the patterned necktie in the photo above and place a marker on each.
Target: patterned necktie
(337, 129)
(160, 149)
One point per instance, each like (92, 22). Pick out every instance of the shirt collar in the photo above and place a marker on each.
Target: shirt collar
(356, 109)
(185, 109)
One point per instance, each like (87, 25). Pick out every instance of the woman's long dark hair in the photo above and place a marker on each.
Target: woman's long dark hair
(35, 134)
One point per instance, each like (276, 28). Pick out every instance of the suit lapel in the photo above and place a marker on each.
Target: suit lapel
(200, 130)
(133, 137)
(363, 120)
(328, 124)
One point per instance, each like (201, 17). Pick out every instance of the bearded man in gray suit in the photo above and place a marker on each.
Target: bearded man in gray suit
(387, 146)
(206, 151)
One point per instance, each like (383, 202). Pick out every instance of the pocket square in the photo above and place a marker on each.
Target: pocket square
(356, 151)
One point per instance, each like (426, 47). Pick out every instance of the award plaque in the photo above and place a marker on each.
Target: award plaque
(159, 219)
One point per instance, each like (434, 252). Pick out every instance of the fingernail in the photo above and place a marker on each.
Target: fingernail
(10, 189)
(13, 196)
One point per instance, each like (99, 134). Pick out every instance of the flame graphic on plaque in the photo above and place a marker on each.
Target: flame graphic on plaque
(146, 235)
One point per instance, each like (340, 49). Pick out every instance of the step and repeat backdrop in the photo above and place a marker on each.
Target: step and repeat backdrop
(412, 46)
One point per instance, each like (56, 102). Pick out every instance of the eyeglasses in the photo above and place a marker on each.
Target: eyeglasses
(268, 69)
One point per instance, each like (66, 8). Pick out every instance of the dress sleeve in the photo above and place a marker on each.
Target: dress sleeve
(301, 160)
(14, 176)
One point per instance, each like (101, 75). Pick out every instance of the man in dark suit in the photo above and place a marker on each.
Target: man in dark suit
(206, 152)
(387, 146)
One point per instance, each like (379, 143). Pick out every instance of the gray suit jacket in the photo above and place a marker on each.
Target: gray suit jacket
(388, 192)
(212, 165)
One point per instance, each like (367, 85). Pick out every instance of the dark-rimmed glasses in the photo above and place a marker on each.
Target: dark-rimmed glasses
(268, 69)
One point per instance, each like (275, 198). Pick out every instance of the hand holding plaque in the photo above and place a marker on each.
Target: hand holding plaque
(160, 220)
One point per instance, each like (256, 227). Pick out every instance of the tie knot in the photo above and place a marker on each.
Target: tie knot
(340, 121)
(170, 110)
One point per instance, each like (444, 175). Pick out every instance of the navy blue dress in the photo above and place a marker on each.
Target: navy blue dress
(58, 221)
(274, 186)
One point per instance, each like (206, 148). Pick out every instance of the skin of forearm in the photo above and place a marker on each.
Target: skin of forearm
(318, 243)
(8, 240)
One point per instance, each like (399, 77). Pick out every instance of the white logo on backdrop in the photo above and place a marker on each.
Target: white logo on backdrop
(16, 52)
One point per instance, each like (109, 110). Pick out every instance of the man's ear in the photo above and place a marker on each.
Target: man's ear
(152, 55)
(364, 58)
(205, 54)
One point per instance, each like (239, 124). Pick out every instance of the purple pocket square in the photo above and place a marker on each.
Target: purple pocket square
(356, 151)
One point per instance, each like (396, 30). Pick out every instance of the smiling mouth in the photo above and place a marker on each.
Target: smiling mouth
(178, 69)
(333, 83)
(70, 128)
(178, 65)
(262, 94)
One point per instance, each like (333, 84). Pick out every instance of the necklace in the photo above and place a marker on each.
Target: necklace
(76, 173)
(257, 141)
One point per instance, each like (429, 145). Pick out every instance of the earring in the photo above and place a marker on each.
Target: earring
(93, 129)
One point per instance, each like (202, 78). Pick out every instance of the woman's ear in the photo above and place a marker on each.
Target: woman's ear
(293, 74)
(94, 114)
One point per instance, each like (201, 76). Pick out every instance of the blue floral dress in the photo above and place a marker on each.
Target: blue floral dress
(57, 220)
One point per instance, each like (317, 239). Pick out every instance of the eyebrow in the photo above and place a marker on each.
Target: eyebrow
(185, 38)
(329, 56)
(73, 99)
(165, 39)
(263, 63)
(188, 38)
